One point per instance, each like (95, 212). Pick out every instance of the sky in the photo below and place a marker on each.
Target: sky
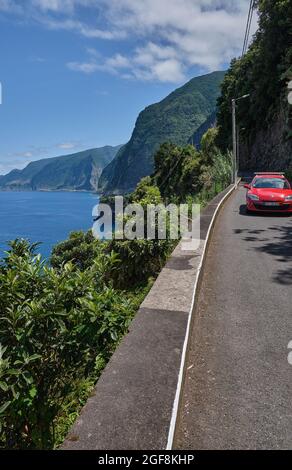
(76, 73)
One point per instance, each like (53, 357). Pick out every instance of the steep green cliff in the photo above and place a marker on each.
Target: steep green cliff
(177, 119)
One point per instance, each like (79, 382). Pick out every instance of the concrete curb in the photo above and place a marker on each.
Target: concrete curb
(136, 400)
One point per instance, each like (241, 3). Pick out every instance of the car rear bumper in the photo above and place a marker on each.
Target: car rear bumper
(260, 207)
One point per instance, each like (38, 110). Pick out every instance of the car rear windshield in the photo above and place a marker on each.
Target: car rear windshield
(275, 183)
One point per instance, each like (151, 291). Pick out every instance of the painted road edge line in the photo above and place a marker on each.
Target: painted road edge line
(174, 415)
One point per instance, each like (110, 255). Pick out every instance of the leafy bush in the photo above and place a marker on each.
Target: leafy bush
(80, 248)
(184, 173)
(57, 328)
(177, 171)
(140, 260)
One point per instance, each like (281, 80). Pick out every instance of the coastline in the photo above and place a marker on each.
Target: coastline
(49, 191)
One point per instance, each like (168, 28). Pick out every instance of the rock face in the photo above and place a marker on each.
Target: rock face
(76, 172)
(180, 118)
(271, 148)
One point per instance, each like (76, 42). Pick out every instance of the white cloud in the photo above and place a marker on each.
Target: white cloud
(168, 71)
(111, 64)
(173, 35)
(68, 145)
(9, 6)
(118, 61)
(203, 33)
(84, 67)
(61, 5)
(23, 154)
(79, 27)
(149, 63)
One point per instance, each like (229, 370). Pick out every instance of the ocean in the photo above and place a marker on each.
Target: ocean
(46, 217)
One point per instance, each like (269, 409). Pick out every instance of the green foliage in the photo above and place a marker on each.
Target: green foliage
(58, 328)
(146, 193)
(80, 248)
(177, 170)
(140, 260)
(208, 145)
(263, 72)
(184, 171)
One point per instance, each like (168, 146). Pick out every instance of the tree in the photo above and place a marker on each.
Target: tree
(263, 72)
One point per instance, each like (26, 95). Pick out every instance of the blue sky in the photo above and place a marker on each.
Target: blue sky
(76, 73)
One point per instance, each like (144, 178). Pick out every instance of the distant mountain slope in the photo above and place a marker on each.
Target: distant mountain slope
(175, 119)
(79, 171)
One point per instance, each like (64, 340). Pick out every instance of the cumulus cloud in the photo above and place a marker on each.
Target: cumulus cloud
(147, 63)
(174, 36)
(202, 33)
(68, 145)
(84, 67)
(61, 5)
(177, 35)
(79, 27)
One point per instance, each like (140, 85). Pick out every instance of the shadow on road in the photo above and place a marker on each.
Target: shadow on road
(277, 242)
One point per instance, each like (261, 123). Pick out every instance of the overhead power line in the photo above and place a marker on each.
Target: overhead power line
(248, 26)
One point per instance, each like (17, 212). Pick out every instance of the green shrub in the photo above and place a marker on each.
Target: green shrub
(80, 248)
(140, 260)
(57, 328)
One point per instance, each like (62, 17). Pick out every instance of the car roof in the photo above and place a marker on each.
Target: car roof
(270, 175)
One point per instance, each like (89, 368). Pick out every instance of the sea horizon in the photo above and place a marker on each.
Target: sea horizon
(45, 217)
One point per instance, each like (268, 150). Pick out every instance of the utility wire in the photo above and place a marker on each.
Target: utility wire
(248, 26)
(248, 32)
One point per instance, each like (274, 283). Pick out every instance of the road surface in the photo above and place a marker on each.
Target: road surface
(238, 388)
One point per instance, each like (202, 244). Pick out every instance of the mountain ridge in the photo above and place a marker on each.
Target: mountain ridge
(176, 119)
(78, 171)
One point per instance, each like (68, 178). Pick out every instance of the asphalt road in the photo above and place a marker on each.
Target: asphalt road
(238, 388)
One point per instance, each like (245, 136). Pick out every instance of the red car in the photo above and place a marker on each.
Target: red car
(269, 192)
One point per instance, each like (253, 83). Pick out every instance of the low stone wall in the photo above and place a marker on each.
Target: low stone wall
(135, 400)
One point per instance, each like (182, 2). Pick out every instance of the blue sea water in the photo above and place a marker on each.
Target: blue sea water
(46, 217)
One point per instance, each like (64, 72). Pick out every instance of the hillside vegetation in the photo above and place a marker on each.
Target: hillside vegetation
(79, 172)
(265, 119)
(180, 118)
